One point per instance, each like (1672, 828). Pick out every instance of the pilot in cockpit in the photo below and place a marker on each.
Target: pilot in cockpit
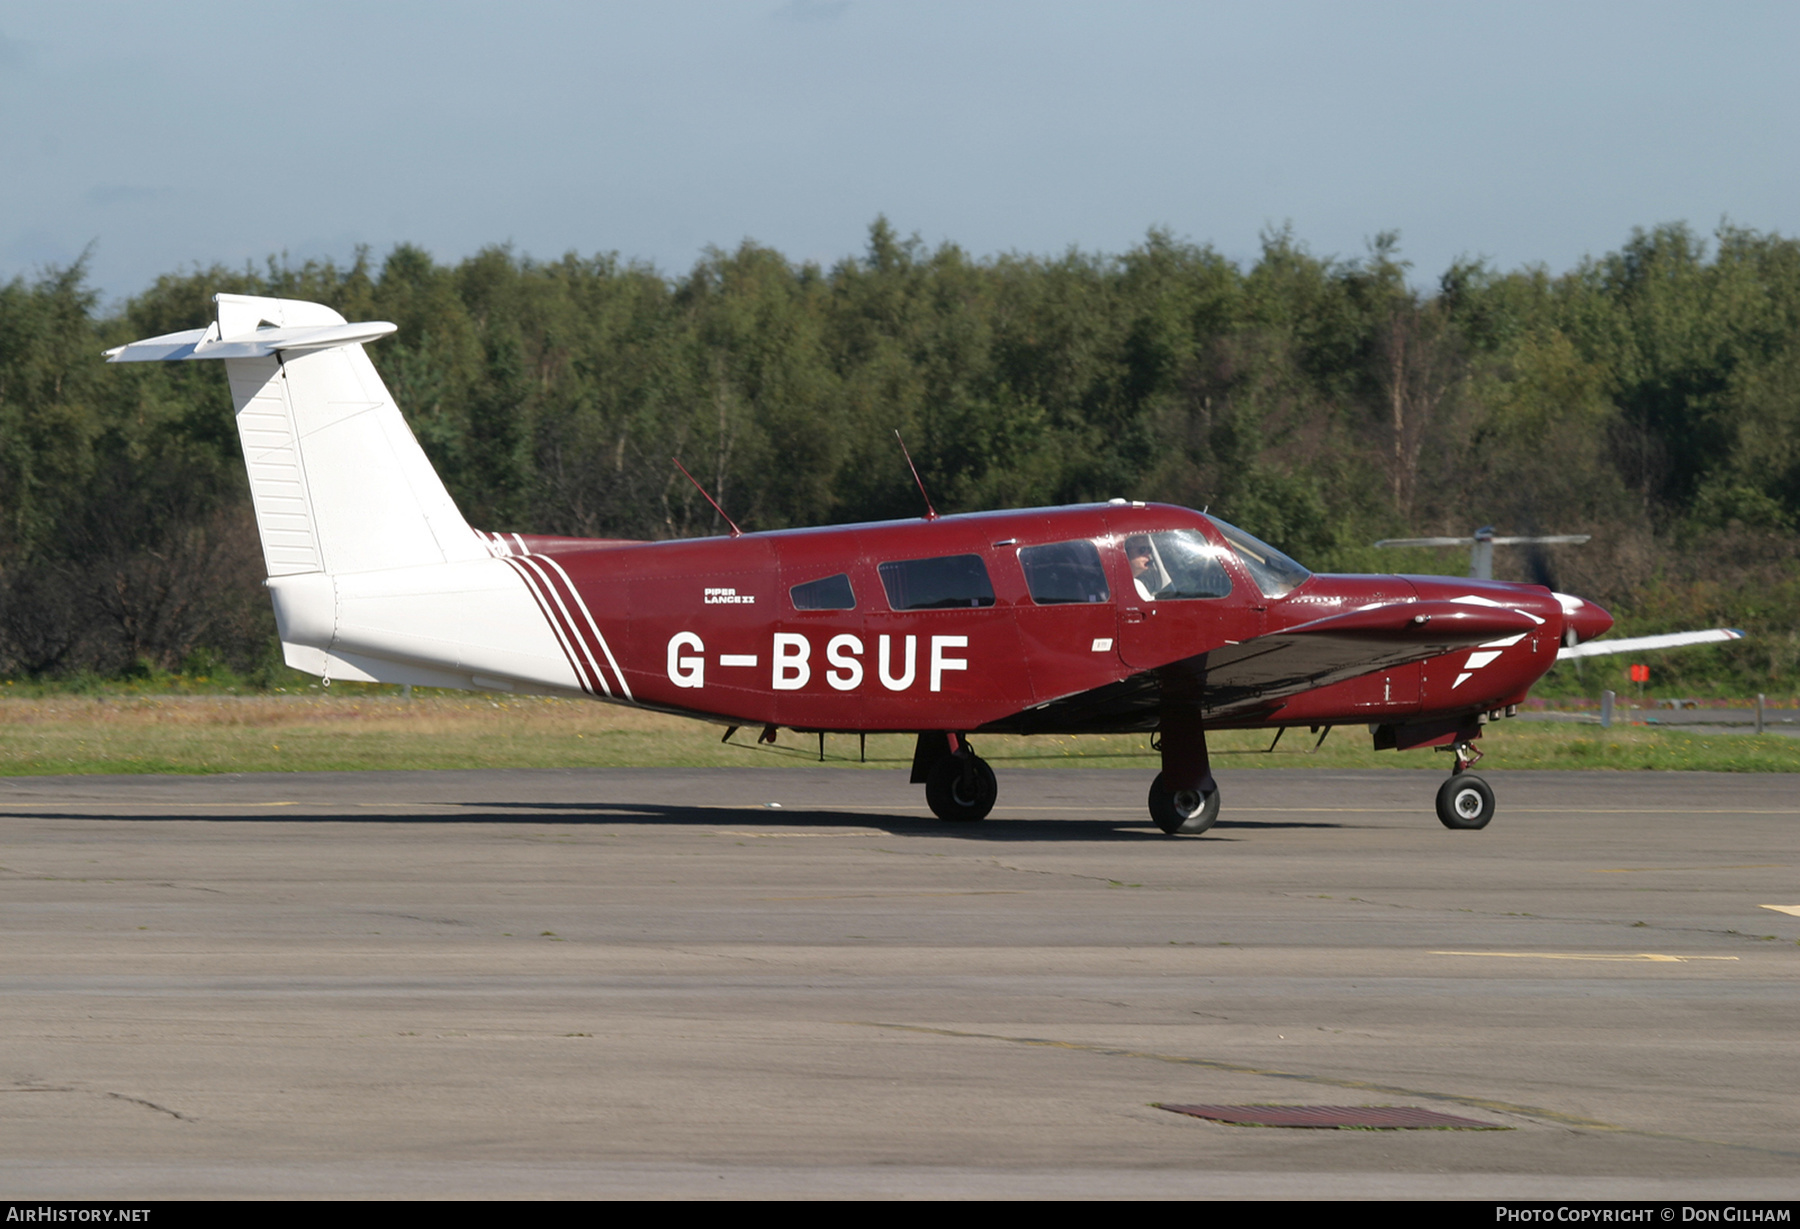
(1144, 572)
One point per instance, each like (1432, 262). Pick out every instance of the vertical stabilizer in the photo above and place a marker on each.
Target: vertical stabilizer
(374, 573)
(339, 482)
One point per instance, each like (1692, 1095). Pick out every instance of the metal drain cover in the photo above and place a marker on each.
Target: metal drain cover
(1369, 1117)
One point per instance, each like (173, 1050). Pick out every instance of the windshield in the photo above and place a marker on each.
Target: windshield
(1274, 573)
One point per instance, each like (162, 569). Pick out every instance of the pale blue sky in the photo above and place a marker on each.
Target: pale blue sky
(170, 135)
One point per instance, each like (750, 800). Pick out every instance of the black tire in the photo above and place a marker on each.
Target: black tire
(961, 789)
(1465, 802)
(1187, 812)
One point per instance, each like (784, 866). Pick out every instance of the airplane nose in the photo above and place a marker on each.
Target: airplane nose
(1582, 620)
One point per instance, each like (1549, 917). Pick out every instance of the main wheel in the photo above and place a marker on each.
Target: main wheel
(1465, 801)
(961, 789)
(1183, 812)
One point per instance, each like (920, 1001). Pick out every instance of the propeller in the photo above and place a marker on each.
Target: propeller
(1482, 543)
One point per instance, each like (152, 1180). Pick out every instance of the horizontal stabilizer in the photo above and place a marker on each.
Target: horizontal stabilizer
(338, 482)
(1649, 644)
(1346, 646)
(261, 343)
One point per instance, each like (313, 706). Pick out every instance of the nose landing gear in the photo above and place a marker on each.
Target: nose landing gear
(1465, 801)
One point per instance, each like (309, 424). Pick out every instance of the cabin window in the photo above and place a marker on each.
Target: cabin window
(1064, 572)
(1176, 564)
(831, 593)
(1274, 573)
(944, 583)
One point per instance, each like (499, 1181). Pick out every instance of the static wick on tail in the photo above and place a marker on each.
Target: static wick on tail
(930, 512)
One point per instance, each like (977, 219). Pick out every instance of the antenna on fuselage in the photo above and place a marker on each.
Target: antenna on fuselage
(735, 531)
(930, 512)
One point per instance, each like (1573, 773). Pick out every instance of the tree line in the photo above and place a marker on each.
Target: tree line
(1650, 397)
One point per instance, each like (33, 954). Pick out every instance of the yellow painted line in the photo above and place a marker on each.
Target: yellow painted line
(814, 835)
(1790, 910)
(1636, 870)
(130, 802)
(897, 895)
(1651, 957)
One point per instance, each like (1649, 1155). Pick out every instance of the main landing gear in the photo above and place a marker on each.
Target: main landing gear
(959, 785)
(1184, 798)
(1184, 812)
(1465, 801)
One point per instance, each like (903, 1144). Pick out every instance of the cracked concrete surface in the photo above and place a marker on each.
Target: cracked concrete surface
(639, 982)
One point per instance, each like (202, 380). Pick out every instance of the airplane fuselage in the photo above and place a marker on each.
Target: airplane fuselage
(720, 627)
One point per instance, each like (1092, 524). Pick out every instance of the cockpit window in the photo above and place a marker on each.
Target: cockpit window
(1064, 572)
(1175, 564)
(831, 593)
(937, 584)
(1274, 573)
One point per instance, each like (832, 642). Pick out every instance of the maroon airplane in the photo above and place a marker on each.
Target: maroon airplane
(1103, 618)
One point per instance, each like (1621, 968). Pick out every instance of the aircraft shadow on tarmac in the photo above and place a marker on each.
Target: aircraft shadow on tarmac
(1002, 829)
(746, 819)
(738, 818)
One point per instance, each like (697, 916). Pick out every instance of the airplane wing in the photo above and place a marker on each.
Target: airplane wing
(1634, 644)
(1344, 646)
(1258, 674)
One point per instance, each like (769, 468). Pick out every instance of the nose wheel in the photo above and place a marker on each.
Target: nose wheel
(1465, 801)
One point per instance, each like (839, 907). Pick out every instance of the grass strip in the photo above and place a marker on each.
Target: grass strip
(51, 734)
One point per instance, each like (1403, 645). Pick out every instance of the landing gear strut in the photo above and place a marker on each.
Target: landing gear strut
(1465, 801)
(1184, 798)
